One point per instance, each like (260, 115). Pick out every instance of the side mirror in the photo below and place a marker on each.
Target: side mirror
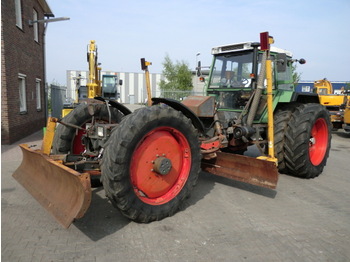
(199, 69)
(120, 82)
(302, 61)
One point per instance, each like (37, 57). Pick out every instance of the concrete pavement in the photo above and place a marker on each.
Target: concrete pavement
(223, 220)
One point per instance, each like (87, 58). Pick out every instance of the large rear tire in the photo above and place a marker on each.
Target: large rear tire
(282, 117)
(151, 163)
(307, 141)
(68, 140)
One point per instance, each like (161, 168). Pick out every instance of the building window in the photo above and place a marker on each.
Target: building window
(38, 93)
(35, 26)
(22, 93)
(18, 9)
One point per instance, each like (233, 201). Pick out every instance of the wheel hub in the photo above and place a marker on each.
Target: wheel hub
(312, 141)
(162, 165)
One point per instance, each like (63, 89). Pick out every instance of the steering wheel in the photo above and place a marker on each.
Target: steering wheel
(244, 81)
(223, 80)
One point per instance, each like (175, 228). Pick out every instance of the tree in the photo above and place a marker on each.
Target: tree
(295, 74)
(178, 79)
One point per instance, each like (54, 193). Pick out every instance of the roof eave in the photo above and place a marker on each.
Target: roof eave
(47, 10)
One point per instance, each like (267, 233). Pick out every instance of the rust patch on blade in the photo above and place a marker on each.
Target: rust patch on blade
(242, 168)
(63, 192)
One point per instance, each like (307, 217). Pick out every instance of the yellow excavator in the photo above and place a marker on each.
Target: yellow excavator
(106, 86)
(346, 125)
(335, 103)
(149, 160)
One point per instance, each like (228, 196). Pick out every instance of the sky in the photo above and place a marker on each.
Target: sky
(125, 31)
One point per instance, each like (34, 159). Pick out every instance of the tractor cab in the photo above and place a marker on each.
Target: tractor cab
(234, 75)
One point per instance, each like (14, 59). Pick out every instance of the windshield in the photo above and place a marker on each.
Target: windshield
(109, 87)
(109, 83)
(232, 70)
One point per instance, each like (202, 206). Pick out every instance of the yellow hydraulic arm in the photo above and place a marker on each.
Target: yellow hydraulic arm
(265, 38)
(144, 66)
(94, 82)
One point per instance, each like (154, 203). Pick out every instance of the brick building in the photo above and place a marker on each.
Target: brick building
(23, 68)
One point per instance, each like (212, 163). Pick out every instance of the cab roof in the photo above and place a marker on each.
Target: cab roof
(237, 47)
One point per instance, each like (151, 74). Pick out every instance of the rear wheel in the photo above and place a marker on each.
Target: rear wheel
(151, 163)
(68, 140)
(307, 141)
(281, 118)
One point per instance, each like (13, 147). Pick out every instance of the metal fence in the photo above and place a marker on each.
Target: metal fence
(58, 97)
(178, 95)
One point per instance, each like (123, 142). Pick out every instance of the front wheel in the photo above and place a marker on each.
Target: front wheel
(307, 141)
(151, 163)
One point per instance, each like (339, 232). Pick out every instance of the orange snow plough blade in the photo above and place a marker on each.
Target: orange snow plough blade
(63, 192)
(243, 168)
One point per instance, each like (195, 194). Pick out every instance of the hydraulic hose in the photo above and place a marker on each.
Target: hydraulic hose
(258, 92)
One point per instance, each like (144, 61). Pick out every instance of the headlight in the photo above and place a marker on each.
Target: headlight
(100, 131)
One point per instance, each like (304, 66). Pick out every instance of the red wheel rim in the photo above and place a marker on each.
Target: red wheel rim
(77, 145)
(318, 142)
(150, 186)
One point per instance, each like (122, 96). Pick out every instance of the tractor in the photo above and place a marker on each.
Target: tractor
(149, 160)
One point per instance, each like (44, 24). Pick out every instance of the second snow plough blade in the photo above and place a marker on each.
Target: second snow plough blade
(63, 192)
(242, 168)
